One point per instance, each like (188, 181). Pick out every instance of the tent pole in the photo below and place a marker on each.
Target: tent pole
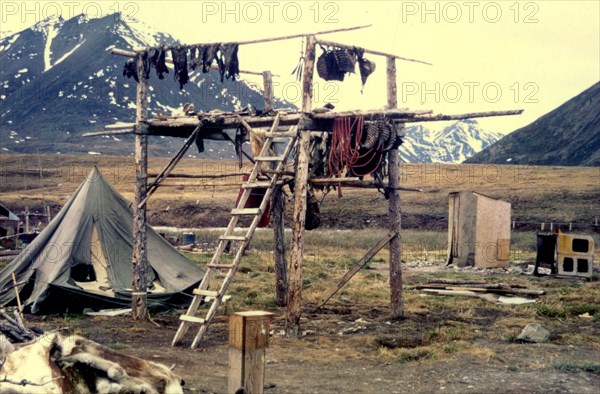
(139, 308)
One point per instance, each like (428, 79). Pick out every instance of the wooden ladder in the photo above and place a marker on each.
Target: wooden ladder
(242, 241)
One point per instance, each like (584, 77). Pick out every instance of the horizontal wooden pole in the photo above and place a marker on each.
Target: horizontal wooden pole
(119, 125)
(272, 39)
(123, 52)
(169, 126)
(387, 113)
(438, 117)
(358, 184)
(101, 133)
(203, 176)
(351, 47)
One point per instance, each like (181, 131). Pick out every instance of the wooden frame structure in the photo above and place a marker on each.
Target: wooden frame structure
(309, 123)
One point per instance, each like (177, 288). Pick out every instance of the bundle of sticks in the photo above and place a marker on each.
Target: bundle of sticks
(15, 330)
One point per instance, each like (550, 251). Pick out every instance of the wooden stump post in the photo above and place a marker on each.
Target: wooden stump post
(248, 341)
(268, 90)
(139, 308)
(396, 302)
(294, 307)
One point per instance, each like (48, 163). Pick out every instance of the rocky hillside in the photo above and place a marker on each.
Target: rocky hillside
(59, 80)
(566, 136)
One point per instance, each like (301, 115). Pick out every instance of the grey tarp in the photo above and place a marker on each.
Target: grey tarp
(83, 258)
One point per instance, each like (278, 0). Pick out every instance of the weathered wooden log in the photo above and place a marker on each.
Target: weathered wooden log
(294, 305)
(139, 308)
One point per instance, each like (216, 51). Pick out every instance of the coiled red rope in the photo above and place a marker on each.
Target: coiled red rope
(346, 154)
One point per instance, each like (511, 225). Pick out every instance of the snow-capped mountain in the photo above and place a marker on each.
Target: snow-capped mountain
(59, 80)
(454, 143)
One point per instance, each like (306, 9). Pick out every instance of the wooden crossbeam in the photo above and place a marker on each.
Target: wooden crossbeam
(371, 51)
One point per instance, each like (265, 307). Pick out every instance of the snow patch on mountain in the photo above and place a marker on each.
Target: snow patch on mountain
(66, 55)
(446, 142)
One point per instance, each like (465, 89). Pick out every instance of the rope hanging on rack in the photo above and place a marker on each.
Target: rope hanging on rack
(347, 154)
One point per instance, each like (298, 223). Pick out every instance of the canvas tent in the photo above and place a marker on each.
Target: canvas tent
(82, 259)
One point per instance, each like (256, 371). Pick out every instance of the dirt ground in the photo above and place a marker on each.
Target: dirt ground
(354, 347)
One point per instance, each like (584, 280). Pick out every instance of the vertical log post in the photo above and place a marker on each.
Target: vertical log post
(281, 284)
(248, 341)
(396, 302)
(277, 213)
(139, 308)
(268, 90)
(294, 307)
(27, 220)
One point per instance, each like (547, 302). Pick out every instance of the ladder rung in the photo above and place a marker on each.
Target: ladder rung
(192, 319)
(233, 238)
(245, 211)
(205, 293)
(220, 266)
(269, 158)
(259, 185)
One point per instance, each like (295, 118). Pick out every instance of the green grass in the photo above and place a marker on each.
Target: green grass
(570, 366)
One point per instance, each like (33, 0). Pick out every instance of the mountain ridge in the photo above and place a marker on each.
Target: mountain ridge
(58, 80)
(569, 135)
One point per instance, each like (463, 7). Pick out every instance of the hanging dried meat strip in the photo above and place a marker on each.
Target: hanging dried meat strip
(209, 53)
(231, 65)
(180, 64)
(161, 64)
(196, 54)
(130, 69)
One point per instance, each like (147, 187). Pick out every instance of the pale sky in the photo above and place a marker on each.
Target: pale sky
(486, 55)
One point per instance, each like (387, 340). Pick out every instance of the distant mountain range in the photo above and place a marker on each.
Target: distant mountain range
(59, 80)
(566, 136)
(452, 143)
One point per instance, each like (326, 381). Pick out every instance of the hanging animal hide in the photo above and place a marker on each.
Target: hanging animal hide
(179, 56)
(130, 70)
(55, 363)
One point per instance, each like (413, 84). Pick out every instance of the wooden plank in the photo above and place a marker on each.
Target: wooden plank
(233, 238)
(451, 292)
(245, 211)
(268, 158)
(191, 319)
(355, 268)
(205, 293)
(139, 308)
(294, 306)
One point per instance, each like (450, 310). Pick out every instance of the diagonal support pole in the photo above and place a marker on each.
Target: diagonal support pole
(167, 170)
(355, 268)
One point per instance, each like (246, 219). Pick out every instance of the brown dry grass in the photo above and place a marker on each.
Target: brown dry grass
(559, 194)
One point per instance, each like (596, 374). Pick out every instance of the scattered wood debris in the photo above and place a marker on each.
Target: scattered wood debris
(14, 329)
(492, 292)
